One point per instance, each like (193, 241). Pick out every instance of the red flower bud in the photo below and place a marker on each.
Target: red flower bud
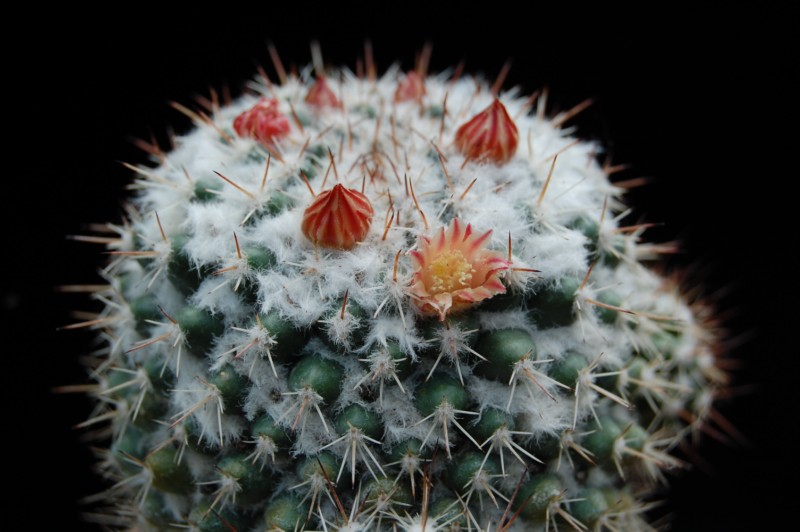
(321, 95)
(491, 134)
(412, 87)
(263, 122)
(338, 218)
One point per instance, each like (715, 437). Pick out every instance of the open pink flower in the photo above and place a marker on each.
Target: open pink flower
(454, 271)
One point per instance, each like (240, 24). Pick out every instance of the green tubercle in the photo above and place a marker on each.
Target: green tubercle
(183, 275)
(319, 374)
(608, 315)
(491, 420)
(537, 495)
(169, 474)
(600, 441)
(206, 190)
(502, 350)
(567, 369)
(323, 464)
(288, 340)
(199, 326)
(449, 512)
(232, 387)
(387, 493)
(411, 448)
(440, 389)
(254, 484)
(258, 258)
(589, 506)
(358, 417)
(554, 306)
(286, 513)
(469, 470)
(266, 427)
(207, 518)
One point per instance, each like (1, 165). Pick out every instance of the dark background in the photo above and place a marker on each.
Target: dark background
(691, 99)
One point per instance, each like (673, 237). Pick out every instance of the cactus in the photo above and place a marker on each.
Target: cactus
(402, 302)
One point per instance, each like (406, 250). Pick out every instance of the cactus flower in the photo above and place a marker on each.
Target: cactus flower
(454, 271)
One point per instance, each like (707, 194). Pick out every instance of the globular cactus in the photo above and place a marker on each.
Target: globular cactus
(397, 302)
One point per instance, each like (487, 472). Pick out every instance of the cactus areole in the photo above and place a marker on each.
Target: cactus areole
(397, 302)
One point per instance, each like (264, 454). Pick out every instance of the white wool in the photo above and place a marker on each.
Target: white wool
(540, 417)
(491, 394)
(216, 294)
(393, 328)
(511, 319)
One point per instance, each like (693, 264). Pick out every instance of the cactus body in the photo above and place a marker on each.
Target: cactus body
(403, 295)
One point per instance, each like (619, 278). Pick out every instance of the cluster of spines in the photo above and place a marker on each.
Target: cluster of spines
(217, 461)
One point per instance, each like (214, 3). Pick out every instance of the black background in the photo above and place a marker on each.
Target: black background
(694, 100)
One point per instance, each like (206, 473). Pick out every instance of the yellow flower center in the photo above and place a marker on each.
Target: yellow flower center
(450, 271)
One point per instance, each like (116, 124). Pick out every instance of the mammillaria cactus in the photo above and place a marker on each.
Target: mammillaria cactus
(389, 302)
